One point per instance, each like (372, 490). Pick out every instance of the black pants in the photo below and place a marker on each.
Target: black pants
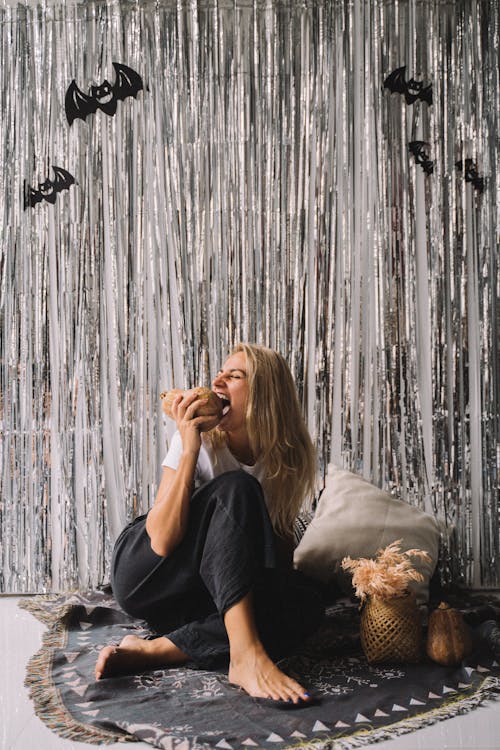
(228, 551)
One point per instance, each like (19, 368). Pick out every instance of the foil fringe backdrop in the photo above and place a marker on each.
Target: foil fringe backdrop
(259, 188)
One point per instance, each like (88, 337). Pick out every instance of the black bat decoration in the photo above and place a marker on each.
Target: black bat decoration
(417, 148)
(103, 97)
(412, 89)
(471, 174)
(49, 189)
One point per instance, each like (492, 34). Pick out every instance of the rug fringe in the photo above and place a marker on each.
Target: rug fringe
(42, 691)
(453, 707)
(38, 606)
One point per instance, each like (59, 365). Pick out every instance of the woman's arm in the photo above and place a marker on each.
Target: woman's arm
(167, 520)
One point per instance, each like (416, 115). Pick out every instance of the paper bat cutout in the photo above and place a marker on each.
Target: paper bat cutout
(103, 97)
(412, 89)
(417, 148)
(471, 174)
(49, 189)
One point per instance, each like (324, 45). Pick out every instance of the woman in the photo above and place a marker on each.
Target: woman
(210, 566)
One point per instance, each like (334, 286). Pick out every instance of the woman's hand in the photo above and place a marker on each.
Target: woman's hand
(184, 408)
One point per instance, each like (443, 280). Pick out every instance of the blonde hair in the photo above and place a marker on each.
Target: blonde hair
(278, 435)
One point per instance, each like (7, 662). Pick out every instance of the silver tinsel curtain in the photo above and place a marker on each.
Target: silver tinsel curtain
(259, 187)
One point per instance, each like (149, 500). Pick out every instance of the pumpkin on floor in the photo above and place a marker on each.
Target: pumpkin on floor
(448, 636)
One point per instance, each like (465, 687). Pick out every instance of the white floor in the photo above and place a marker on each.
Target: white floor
(20, 729)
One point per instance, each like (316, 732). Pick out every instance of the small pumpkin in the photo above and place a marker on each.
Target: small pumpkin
(213, 407)
(448, 637)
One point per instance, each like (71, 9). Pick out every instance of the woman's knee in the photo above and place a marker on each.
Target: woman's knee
(238, 480)
(236, 493)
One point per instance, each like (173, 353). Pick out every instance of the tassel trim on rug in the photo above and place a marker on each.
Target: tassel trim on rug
(46, 698)
(454, 706)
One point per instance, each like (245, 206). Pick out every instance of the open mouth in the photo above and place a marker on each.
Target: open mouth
(226, 404)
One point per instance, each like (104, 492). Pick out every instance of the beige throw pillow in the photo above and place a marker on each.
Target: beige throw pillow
(355, 518)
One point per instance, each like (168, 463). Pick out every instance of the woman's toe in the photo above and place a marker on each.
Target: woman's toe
(103, 659)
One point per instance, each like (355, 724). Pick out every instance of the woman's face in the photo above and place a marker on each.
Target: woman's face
(231, 384)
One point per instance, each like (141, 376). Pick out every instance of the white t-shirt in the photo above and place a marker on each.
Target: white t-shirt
(211, 463)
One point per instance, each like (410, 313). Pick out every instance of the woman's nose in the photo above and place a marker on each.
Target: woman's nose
(218, 380)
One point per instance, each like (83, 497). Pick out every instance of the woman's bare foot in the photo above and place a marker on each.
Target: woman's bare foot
(254, 671)
(134, 654)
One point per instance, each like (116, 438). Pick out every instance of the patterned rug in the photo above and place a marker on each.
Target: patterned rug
(190, 709)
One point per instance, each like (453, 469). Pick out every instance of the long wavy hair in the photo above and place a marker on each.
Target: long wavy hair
(278, 435)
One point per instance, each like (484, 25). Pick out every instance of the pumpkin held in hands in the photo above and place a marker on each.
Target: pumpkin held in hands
(448, 637)
(213, 407)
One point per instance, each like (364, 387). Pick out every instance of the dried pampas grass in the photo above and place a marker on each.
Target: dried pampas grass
(388, 575)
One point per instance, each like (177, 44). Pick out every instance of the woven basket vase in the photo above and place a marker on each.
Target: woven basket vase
(391, 630)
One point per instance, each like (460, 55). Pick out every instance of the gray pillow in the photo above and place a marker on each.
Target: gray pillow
(355, 518)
